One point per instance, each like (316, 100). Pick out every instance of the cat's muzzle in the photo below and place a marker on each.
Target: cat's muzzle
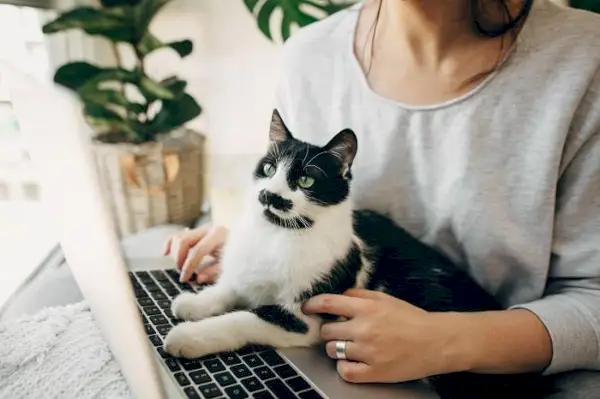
(276, 201)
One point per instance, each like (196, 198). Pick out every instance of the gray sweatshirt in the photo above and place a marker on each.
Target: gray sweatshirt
(504, 179)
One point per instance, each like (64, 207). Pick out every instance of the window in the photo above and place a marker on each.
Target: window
(25, 233)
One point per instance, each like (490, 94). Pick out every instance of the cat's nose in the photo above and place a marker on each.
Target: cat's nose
(268, 198)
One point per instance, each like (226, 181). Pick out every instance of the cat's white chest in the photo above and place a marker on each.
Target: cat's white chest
(267, 264)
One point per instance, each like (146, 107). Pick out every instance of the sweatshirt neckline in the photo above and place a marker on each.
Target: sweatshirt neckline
(359, 75)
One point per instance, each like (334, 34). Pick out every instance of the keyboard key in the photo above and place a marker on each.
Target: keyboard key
(236, 392)
(310, 395)
(140, 293)
(252, 384)
(191, 364)
(285, 371)
(164, 304)
(158, 295)
(163, 329)
(166, 283)
(297, 384)
(144, 276)
(191, 393)
(272, 358)
(149, 329)
(168, 313)
(174, 274)
(279, 389)
(151, 286)
(214, 365)
(263, 395)
(156, 341)
(151, 310)
(172, 292)
(264, 373)
(159, 275)
(241, 371)
(200, 377)
(158, 319)
(145, 301)
(248, 349)
(162, 353)
(253, 360)
(230, 358)
(181, 379)
(224, 379)
(209, 390)
(172, 364)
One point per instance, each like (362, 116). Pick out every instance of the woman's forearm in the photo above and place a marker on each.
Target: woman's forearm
(499, 342)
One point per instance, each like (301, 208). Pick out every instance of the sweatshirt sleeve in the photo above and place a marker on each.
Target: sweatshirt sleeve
(570, 308)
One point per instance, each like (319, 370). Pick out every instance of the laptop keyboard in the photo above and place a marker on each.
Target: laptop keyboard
(251, 372)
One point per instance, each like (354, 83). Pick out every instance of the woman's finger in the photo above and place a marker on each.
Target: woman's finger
(365, 294)
(204, 247)
(338, 330)
(167, 247)
(339, 305)
(208, 275)
(355, 371)
(353, 351)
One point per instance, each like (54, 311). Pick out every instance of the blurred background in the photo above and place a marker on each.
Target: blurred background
(178, 95)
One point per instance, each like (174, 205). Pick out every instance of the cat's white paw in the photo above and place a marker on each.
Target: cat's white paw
(195, 339)
(187, 307)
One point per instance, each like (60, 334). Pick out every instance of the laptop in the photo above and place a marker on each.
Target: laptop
(130, 300)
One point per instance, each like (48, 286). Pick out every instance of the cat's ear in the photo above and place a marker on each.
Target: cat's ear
(343, 146)
(278, 132)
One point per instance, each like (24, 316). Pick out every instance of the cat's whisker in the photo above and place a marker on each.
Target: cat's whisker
(313, 158)
(305, 155)
(317, 167)
(337, 155)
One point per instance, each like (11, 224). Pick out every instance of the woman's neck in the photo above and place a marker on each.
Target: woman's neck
(428, 28)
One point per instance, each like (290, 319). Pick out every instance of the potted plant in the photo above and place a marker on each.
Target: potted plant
(150, 165)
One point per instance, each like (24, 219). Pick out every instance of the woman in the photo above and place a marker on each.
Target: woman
(479, 131)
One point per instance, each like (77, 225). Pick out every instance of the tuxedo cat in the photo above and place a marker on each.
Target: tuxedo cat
(299, 236)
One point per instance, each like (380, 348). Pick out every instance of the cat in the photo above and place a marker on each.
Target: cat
(300, 236)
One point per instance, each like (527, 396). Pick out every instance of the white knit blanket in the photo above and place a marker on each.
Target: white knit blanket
(58, 353)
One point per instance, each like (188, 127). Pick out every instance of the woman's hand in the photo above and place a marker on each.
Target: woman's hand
(389, 340)
(190, 247)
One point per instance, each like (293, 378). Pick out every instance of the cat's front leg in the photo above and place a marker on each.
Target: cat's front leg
(211, 301)
(271, 325)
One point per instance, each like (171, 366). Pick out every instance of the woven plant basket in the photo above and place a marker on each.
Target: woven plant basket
(153, 183)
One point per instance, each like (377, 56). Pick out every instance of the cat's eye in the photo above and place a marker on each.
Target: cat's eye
(269, 169)
(306, 181)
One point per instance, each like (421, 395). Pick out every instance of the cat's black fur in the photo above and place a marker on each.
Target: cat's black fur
(402, 266)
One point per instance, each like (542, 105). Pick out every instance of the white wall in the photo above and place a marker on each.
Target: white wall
(232, 73)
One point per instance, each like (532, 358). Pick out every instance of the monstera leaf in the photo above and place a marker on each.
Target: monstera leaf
(295, 13)
(591, 5)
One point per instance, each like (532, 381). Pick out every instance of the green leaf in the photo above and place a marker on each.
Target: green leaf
(116, 3)
(109, 98)
(150, 43)
(183, 47)
(155, 91)
(174, 114)
(75, 74)
(112, 23)
(144, 13)
(103, 96)
(293, 13)
(174, 85)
